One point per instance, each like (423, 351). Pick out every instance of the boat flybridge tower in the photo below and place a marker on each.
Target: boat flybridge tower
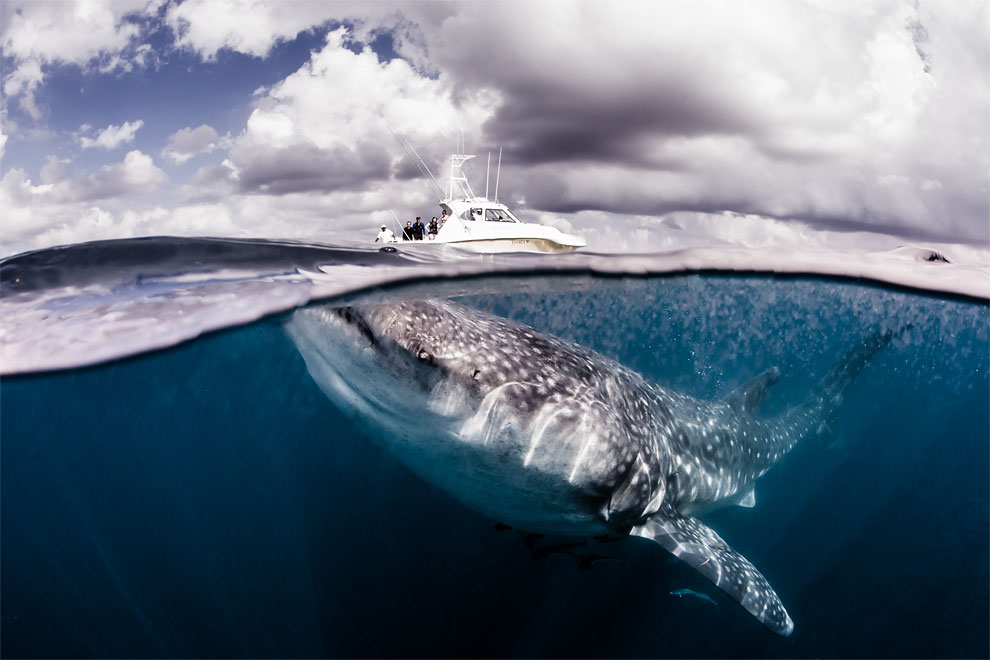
(477, 223)
(457, 184)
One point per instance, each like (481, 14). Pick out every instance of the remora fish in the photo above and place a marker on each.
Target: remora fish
(680, 593)
(550, 437)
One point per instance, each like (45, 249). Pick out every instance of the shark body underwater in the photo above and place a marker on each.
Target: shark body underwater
(548, 436)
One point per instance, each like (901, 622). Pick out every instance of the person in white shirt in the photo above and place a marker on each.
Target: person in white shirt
(385, 235)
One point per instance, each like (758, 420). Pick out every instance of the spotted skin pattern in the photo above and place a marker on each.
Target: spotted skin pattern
(551, 437)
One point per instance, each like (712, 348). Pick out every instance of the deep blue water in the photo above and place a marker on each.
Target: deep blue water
(209, 500)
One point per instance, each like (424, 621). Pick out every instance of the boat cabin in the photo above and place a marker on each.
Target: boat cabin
(478, 209)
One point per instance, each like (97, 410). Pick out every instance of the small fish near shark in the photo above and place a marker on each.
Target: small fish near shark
(680, 593)
(550, 437)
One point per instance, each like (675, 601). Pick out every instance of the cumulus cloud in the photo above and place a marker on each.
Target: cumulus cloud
(23, 82)
(136, 175)
(64, 224)
(74, 33)
(254, 27)
(324, 128)
(189, 142)
(303, 167)
(244, 26)
(316, 160)
(112, 136)
(38, 34)
(65, 209)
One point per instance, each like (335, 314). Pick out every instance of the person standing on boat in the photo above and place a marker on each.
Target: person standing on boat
(433, 228)
(407, 231)
(385, 235)
(419, 229)
(443, 217)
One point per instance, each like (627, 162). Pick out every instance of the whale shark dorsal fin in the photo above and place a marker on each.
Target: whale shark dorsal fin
(748, 500)
(748, 397)
(701, 548)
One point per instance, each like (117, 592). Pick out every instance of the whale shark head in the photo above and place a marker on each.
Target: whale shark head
(405, 350)
(447, 338)
(361, 357)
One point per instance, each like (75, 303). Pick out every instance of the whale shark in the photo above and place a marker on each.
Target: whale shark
(548, 436)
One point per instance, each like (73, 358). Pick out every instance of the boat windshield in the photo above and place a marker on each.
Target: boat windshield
(499, 215)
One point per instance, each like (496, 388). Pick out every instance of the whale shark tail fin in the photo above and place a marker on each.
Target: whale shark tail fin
(700, 547)
(845, 371)
(842, 376)
(748, 397)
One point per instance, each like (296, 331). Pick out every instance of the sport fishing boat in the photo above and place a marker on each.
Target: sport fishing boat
(482, 225)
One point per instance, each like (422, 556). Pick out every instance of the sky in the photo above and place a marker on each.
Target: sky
(641, 126)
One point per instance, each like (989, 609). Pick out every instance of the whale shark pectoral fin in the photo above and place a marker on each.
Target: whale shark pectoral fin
(748, 397)
(748, 500)
(701, 548)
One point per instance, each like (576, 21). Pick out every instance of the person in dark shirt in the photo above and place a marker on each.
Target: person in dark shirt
(433, 227)
(407, 231)
(419, 229)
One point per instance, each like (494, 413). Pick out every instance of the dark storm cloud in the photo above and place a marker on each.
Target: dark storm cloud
(405, 168)
(840, 116)
(304, 167)
(571, 90)
(546, 191)
(561, 123)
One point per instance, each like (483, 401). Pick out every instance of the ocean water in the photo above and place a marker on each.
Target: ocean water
(208, 500)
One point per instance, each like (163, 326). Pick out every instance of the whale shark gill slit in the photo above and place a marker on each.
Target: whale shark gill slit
(550, 437)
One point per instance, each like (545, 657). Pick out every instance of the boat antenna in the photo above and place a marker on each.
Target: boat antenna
(431, 180)
(488, 173)
(498, 172)
(398, 223)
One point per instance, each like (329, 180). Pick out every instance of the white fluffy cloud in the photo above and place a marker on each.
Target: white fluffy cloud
(112, 136)
(74, 207)
(244, 26)
(188, 142)
(37, 34)
(136, 175)
(317, 144)
(74, 32)
(112, 202)
(22, 82)
(254, 27)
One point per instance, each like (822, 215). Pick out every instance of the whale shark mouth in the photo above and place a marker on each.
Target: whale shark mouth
(372, 325)
(352, 317)
(381, 327)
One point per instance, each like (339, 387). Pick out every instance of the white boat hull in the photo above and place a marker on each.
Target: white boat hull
(497, 245)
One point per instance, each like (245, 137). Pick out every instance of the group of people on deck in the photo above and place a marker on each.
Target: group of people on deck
(414, 231)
